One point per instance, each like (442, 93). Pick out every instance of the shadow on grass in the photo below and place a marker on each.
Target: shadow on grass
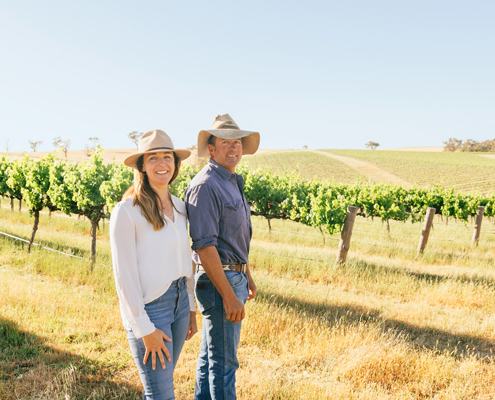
(30, 368)
(368, 268)
(422, 338)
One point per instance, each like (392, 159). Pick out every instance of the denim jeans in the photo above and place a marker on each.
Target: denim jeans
(169, 313)
(217, 361)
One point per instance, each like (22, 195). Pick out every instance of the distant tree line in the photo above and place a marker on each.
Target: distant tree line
(454, 144)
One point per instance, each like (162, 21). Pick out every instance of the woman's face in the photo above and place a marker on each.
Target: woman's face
(159, 168)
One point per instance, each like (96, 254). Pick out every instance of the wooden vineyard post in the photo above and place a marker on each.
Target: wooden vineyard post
(477, 225)
(423, 240)
(345, 236)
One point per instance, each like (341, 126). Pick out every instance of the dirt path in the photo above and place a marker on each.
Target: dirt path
(367, 169)
(492, 156)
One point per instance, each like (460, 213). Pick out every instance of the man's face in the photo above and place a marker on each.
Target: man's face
(227, 153)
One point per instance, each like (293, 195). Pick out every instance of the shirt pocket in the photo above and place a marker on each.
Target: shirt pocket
(234, 218)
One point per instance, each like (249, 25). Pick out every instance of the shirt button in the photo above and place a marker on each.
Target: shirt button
(237, 206)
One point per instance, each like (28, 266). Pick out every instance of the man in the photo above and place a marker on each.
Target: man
(220, 228)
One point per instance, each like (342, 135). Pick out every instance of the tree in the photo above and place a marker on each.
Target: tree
(6, 144)
(84, 181)
(305, 147)
(452, 144)
(16, 181)
(135, 136)
(4, 165)
(57, 142)
(35, 144)
(372, 145)
(63, 144)
(36, 188)
(90, 148)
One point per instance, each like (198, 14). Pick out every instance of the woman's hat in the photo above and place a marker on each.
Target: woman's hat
(153, 142)
(225, 127)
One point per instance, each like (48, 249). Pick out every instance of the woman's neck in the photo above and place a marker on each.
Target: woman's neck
(162, 193)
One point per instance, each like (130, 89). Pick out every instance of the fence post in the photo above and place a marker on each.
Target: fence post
(345, 236)
(477, 225)
(425, 233)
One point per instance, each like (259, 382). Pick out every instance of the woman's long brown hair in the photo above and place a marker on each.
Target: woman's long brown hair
(146, 198)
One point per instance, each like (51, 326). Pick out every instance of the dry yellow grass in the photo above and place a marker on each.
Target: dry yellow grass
(388, 325)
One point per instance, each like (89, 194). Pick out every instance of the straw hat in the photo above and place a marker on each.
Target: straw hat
(225, 127)
(152, 142)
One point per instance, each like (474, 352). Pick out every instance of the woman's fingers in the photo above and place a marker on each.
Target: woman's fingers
(153, 360)
(154, 343)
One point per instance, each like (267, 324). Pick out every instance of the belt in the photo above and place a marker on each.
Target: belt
(227, 267)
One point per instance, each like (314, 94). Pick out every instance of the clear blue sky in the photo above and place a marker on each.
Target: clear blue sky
(325, 74)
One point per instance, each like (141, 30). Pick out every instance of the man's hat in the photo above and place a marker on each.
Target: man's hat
(153, 142)
(225, 127)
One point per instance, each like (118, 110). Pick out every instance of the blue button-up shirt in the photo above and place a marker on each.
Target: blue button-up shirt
(219, 214)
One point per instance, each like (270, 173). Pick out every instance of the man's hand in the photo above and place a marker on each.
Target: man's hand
(213, 267)
(234, 309)
(252, 288)
(193, 326)
(154, 343)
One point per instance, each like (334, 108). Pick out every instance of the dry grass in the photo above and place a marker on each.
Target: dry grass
(388, 325)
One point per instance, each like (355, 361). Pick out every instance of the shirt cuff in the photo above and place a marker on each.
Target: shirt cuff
(203, 243)
(192, 304)
(142, 326)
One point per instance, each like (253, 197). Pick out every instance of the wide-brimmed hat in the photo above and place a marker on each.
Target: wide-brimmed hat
(152, 142)
(225, 127)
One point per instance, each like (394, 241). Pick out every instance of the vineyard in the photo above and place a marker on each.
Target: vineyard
(388, 324)
(466, 172)
(91, 188)
(307, 165)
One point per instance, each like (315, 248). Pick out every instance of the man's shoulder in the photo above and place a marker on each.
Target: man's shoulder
(202, 177)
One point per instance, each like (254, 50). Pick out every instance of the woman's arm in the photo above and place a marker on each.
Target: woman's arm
(125, 268)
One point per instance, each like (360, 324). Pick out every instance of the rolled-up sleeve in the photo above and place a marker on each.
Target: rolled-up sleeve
(203, 209)
(125, 267)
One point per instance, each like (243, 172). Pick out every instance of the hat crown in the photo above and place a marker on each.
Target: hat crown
(224, 121)
(155, 140)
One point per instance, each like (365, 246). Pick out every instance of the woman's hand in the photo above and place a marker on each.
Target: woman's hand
(155, 344)
(193, 326)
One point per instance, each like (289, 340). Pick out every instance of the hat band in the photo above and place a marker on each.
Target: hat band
(159, 148)
(228, 126)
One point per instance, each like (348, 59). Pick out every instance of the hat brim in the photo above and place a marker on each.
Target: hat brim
(132, 159)
(250, 140)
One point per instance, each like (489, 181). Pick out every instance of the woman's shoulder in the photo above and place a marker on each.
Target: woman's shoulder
(179, 204)
(126, 204)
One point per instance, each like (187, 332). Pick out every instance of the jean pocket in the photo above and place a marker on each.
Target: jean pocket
(235, 278)
(205, 294)
(239, 284)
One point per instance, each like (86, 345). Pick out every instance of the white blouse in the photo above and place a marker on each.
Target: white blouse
(145, 261)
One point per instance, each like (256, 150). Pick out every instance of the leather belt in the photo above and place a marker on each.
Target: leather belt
(227, 267)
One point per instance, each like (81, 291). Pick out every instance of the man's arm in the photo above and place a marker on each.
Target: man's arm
(252, 285)
(210, 260)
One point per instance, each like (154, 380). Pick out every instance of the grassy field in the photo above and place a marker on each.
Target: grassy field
(463, 171)
(387, 325)
(306, 164)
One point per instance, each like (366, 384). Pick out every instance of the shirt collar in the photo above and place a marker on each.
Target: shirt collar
(224, 172)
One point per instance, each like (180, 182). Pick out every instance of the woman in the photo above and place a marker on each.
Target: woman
(152, 264)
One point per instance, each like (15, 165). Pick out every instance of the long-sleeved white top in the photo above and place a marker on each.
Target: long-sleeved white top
(145, 261)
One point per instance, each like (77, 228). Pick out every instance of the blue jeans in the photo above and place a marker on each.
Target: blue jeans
(169, 313)
(217, 361)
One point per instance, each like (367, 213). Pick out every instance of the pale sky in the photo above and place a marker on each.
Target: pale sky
(325, 74)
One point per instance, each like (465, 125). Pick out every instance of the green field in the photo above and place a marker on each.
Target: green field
(468, 172)
(306, 164)
(387, 325)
